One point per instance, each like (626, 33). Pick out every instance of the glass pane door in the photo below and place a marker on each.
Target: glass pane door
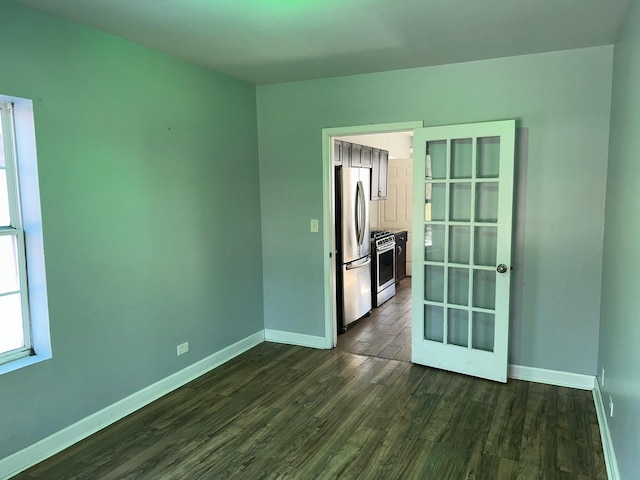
(464, 190)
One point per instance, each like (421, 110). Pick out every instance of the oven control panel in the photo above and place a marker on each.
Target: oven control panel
(383, 239)
(385, 242)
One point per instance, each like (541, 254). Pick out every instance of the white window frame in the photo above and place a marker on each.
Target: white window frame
(18, 126)
(15, 229)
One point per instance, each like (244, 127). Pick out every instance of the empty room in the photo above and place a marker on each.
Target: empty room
(302, 239)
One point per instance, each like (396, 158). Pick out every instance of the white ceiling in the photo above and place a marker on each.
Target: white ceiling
(268, 41)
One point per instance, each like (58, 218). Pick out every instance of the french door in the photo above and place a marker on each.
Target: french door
(463, 196)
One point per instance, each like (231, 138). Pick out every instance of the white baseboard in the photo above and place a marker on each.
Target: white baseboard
(607, 445)
(300, 339)
(552, 377)
(57, 442)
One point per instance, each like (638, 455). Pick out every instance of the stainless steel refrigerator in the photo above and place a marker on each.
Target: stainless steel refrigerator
(353, 189)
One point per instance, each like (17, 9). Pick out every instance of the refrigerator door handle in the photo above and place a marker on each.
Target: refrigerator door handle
(356, 211)
(352, 265)
(360, 208)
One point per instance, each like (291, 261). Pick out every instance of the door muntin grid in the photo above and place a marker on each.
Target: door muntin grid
(461, 230)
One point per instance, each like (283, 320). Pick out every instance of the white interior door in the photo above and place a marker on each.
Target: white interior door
(463, 197)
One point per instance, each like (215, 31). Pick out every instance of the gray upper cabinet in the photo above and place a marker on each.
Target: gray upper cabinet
(347, 154)
(341, 153)
(337, 153)
(366, 157)
(379, 174)
(356, 155)
(383, 180)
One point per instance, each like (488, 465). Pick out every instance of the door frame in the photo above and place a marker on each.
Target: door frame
(328, 214)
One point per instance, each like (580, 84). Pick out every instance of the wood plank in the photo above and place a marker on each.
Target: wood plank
(599, 467)
(504, 439)
(493, 468)
(539, 435)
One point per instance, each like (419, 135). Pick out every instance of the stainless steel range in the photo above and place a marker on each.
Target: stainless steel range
(383, 271)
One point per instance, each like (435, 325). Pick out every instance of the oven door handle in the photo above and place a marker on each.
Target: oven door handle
(353, 265)
(386, 249)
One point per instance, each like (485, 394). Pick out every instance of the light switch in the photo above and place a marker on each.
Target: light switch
(314, 225)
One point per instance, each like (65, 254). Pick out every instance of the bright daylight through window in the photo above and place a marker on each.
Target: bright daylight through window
(15, 331)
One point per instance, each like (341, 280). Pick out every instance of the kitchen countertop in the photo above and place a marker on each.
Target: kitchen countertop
(396, 230)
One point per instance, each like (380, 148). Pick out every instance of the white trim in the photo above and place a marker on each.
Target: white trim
(330, 338)
(372, 129)
(23, 362)
(290, 338)
(552, 377)
(607, 445)
(16, 225)
(328, 240)
(57, 442)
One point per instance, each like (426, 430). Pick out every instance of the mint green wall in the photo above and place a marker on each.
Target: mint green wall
(561, 102)
(150, 204)
(620, 318)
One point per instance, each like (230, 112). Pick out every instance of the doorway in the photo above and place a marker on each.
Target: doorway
(463, 187)
(386, 332)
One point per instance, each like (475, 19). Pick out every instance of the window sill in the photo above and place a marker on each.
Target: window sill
(22, 362)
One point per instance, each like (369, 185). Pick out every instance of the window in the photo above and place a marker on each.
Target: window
(15, 331)
(24, 320)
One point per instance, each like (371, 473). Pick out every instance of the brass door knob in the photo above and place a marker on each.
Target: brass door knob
(502, 268)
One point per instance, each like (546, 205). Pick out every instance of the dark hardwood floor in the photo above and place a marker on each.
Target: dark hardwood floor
(386, 332)
(286, 412)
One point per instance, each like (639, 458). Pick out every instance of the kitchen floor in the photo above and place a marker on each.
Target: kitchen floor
(386, 333)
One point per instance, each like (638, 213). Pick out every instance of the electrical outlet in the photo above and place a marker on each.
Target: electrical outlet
(183, 348)
(610, 406)
(602, 378)
(315, 225)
